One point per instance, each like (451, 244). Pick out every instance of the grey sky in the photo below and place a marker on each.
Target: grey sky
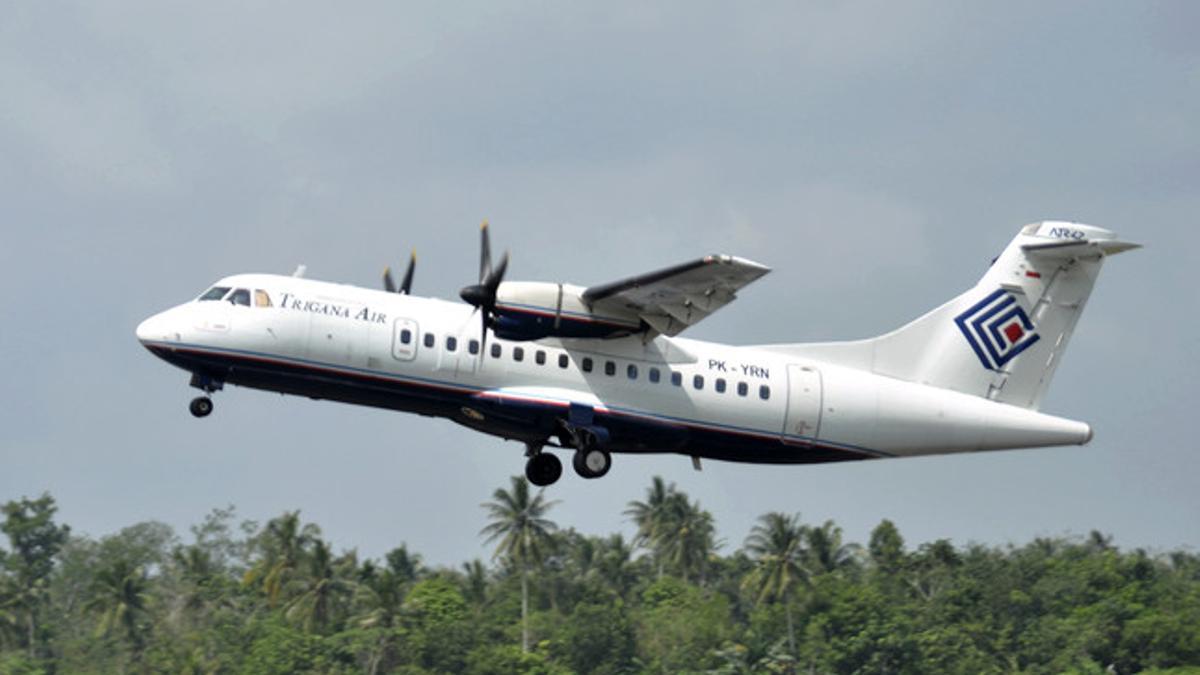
(876, 155)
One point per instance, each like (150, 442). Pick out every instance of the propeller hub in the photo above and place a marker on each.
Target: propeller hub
(478, 295)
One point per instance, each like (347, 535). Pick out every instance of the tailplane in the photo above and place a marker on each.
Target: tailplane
(1002, 339)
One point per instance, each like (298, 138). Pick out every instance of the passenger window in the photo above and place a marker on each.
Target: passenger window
(677, 378)
(473, 346)
(742, 389)
(518, 353)
(451, 343)
(563, 361)
(215, 293)
(698, 381)
(655, 375)
(496, 350)
(610, 368)
(764, 392)
(240, 297)
(261, 299)
(405, 336)
(540, 357)
(429, 339)
(587, 364)
(631, 371)
(720, 384)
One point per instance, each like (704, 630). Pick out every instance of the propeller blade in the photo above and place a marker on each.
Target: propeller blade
(388, 284)
(497, 275)
(483, 316)
(485, 252)
(406, 284)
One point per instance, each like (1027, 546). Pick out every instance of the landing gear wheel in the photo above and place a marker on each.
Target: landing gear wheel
(543, 469)
(201, 406)
(591, 463)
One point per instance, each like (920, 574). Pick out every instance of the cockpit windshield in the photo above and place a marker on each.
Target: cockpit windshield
(240, 297)
(214, 293)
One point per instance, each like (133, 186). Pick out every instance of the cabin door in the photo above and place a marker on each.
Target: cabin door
(802, 421)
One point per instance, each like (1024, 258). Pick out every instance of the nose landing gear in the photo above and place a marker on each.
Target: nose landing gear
(201, 406)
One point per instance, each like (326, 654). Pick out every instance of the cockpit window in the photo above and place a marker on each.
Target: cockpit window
(261, 299)
(215, 293)
(240, 296)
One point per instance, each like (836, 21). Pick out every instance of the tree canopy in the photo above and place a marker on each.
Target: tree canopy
(793, 597)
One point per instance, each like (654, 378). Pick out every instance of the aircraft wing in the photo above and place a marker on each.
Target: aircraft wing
(671, 299)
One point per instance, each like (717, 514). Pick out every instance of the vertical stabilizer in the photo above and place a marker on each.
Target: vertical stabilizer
(1002, 339)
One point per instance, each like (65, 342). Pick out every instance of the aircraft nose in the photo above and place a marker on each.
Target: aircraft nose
(154, 329)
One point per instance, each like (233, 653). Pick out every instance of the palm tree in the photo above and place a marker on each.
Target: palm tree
(380, 594)
(284, 544)
(518, 521)
(120, 593)
(826, 552)
(687, 537)
(776, 544)
(651, 518)
(321, 591)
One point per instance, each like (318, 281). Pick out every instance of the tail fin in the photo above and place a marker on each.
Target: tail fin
(1003, 338)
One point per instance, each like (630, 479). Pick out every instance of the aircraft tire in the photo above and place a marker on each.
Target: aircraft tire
(543, 469)
(591, 463)
(201, 406)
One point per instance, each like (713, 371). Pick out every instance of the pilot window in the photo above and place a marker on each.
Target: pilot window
(429, 339)
(610, 368)
(586, 364)
(742, 389)
(764, 392)
(261, 299)
(451, 343)
(240, 296)
(698, 381)
(631, 371)
(473, 346)
(563, 360)
(518, 353)
(677, 378)
(655, 375)
(540, 357)
(405, 336)
(496, 350)
(720, 385)
(215, 293)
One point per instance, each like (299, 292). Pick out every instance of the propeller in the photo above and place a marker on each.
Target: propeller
(389, 284)
(483, 294)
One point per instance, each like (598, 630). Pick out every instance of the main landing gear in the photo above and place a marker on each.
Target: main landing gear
(544, 468)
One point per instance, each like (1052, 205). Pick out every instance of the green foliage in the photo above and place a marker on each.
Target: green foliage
(795, 598)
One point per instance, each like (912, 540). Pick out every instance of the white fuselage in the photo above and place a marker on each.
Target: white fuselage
(668, 394)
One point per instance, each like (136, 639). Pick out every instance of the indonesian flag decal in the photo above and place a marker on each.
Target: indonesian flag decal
(997, 328)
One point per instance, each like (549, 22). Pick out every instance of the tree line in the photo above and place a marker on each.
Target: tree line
(795, 597)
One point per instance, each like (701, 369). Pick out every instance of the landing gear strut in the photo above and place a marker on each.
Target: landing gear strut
(542, 468)
(201, 406)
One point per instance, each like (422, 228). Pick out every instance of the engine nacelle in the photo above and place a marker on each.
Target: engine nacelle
(528, 310)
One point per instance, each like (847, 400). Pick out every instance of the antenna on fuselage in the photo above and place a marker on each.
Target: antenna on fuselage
(300, 270)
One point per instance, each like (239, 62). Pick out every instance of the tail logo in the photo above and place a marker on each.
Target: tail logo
(997, 328)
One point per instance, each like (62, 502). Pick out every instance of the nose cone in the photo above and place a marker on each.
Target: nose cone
(155, 329)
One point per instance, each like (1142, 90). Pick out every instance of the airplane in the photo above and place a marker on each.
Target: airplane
(601, 369)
